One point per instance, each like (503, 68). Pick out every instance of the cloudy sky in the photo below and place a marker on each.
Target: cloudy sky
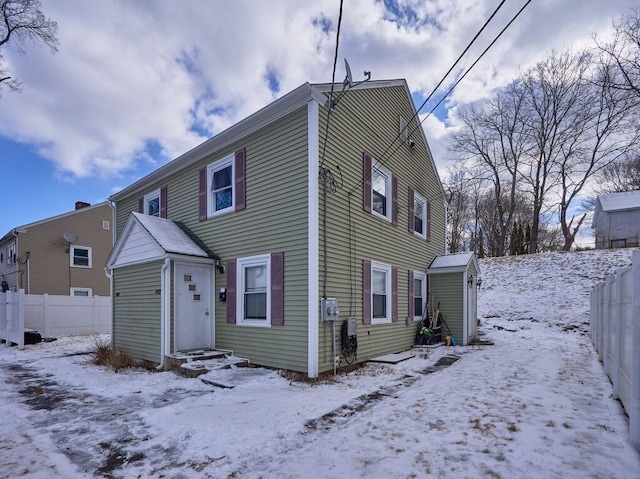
(135, 84)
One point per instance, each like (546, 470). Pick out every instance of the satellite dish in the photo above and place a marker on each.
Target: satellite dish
(69, 237)
(349, 79)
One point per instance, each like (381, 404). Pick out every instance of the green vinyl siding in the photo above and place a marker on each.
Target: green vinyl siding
(446, 288)
(136, 310)
(368, 120)
(275, 220)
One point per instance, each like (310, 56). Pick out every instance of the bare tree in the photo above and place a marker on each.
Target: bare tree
(620, 175)
(23, 23)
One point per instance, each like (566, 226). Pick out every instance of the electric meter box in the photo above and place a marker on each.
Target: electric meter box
(330, 309)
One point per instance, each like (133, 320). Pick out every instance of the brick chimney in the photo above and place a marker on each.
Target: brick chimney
(81, 204)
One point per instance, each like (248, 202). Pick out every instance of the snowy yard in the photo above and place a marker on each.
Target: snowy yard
(535, 404)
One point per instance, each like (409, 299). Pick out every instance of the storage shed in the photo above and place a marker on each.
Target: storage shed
(616, 220)
(453, 284)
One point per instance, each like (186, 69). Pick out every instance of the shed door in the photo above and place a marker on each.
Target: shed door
(193, 318)
(472, 309)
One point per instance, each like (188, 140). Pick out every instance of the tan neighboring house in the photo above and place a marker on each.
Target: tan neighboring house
(62, 255)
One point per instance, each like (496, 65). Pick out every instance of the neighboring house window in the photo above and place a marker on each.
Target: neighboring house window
(221, 186)
(620, 243)
(255, 290)
(380, 190)
(80, 256)
(81, 292)
(417, 294)
(11, 254)
(419, 215)
(105, 225)
(152, 204)
(380, 293)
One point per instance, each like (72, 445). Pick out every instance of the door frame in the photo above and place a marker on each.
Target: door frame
(212, 320)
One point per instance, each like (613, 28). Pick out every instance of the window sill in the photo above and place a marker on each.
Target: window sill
(380, 321)
(255, 324)
(382, 217)
(221, 212)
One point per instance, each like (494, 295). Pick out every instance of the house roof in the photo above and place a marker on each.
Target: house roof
(147, 238)
(453, 262)
(626, 200)
(270, 113)
(53, 218)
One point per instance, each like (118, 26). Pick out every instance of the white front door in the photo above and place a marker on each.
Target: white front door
(193, 312)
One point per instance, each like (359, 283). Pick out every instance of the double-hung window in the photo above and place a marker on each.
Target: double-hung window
(253, 286)
(152, 203)
(11, 254)
(381, 186)
(380, 293)
(419, 215)
(220, 185)
(80, 256)
(419, 294)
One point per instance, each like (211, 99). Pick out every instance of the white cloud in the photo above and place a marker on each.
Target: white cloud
(169, 74)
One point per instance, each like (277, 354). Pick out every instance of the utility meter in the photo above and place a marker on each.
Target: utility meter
(330, 309)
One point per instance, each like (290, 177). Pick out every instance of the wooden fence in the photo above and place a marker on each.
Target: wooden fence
(615, 333)
(52, 315)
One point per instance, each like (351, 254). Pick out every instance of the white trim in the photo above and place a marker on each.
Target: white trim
(388, 182)
(421, 275)
(465, 304)
(147, 198)
(73, 290)
(418, 197)
(388, 293)
(218, 165)
(313, 253)
(241, 263)
(72, 255)
(165, 311)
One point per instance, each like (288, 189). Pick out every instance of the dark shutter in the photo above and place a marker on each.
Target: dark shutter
(163, 202)
(366, 292)
(394, 294)
(394, 200)
(277, 289)
(141, 205)
(240, 193)
(366, 182)
(231, 291)
(412, 312)
(202, 194)
(428, 206)
(412, 218)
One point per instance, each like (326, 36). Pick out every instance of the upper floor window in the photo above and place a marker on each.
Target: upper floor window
(222, 186)
(380, 186)
(152, 204)
(419, 215)
(11, 254)
(80, 256)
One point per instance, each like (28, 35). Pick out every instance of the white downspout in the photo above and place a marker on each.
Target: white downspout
(109, 274)
(165, 306)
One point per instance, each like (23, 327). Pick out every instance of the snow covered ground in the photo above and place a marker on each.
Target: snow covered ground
(535, 404)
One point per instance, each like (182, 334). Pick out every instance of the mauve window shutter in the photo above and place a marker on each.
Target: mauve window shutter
(141, 205)
(231, 291)
(240, 193)
(394, 200)
(412, 219)
(163, 202)
(366, 182)
(428, 206)
(202, 194)
(366, 292)
(394, 294)
(277, 289)
(412, 312)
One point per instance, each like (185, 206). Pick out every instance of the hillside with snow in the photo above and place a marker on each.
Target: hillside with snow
(533, 404)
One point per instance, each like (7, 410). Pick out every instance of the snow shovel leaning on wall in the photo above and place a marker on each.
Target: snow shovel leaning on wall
(453, 339)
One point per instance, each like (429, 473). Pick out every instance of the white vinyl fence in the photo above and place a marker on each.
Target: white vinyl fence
(52, 315)
(12, 318)
(615, 333)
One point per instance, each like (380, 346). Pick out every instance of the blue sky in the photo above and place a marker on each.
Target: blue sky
(136, 84)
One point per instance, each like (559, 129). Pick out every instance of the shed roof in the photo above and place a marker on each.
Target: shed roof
(453, 262)
(626, 200)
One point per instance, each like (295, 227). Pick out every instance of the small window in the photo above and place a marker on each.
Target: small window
(381, 191)
(152, 203)
(11, 254)
(253, 286)
(86, 292)
(220, 184)
(380, 293)
(419, 215)
(105, 225)
(80, 256)
(419, 294)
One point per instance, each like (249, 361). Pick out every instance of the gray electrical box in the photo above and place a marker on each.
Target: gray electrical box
(352, 327)
(330, 309)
